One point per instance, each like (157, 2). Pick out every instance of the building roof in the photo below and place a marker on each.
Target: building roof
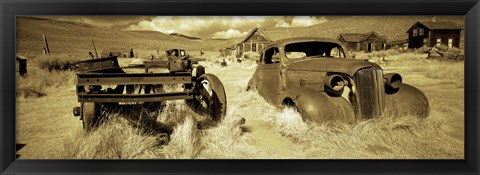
(437, 25)
(359, 37)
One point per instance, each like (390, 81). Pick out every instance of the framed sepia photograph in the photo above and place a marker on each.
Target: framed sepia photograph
(239, 87)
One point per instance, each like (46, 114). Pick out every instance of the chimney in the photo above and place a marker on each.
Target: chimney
(434, 19)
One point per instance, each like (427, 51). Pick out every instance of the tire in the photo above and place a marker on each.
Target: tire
(289, 103)
(210, 98)
(90, 115)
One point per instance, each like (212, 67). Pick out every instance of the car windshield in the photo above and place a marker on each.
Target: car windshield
(313, 50)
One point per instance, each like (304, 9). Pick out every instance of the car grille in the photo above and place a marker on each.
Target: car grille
(370, 91)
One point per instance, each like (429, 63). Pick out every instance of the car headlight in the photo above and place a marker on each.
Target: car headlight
(334, 84)
(393, 80)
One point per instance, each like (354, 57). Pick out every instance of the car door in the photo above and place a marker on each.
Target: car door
(270, 84)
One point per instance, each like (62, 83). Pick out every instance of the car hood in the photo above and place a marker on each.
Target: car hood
(341, 65)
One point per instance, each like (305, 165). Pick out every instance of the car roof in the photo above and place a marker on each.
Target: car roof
(286, 41)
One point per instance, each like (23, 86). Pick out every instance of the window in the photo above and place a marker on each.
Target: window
(254, 47)
(421, 32)
(415, 32)
(334, 52)
(313, 50)
(296, 55)
(425, 41)
(450, 42)
(439, 41)
(271, 56)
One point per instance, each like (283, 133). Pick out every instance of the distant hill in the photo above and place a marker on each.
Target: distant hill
(75, 39)
(219, 39)
(185, 36)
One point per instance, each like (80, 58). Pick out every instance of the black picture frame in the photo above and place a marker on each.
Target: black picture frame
(9, 9)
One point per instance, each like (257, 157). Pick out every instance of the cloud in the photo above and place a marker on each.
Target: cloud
(230, 33)
(220, 26)
(300, 21)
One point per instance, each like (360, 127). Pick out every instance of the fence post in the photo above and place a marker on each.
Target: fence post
(46, 48)
(95, 48)
(22, 65)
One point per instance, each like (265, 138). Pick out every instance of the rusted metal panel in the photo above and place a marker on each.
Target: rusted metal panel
(99, 64)
(407, 101)
(314, 80)
(111, 98)
(371, 92)
(132, 78)
(156, 64)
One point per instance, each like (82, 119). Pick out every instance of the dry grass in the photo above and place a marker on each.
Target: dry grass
(125, 137)
(453, 71)
(44, 72)
(413, 62)
(116, 139)
(185, 143)
(38, 81)
(56, 62)
(228, 140)
(384, 137)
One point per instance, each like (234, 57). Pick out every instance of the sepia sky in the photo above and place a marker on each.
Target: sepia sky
(197, 26)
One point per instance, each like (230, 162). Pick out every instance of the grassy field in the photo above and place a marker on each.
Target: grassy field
(51, 131)
(252, 127)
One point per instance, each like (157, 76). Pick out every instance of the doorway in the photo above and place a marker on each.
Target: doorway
(369, 47)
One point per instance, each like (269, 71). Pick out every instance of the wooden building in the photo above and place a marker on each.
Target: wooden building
(258, 38)
(398, 43)
(433, 33)
(367, 42)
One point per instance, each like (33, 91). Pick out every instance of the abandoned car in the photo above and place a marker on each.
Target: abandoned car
(317, 77)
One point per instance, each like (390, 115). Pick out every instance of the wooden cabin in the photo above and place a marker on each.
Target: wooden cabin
(258, 38)
(434, 33)
(367, 42)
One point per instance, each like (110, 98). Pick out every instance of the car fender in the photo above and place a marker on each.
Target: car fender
(317, 106)
(408, 100)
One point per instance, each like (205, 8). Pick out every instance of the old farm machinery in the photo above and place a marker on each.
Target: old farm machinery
(103, 84)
